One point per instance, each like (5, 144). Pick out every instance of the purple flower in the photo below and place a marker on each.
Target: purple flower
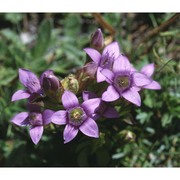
(36, 122)
(148, 70)
(124, 82)
(76, 116)
(30, 82)
(106, 60)
(104, 109)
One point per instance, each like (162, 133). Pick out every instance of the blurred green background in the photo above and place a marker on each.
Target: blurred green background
(146, 136)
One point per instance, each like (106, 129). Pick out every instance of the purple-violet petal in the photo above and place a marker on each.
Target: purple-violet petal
(59, 117)
(141, 79)
(94, 54)
(148, 70)
(108, 74)
(88, 95)
(95, 116)
(36, 133)
(29, 80)
(47, 116)
(20, 119)
(69, 100)
(153, 85)
(90, 128)
(100, 76)
(121, 64)
(110, 94)
(70, 133)
(111, 113)
(132, 96)
(20, 94)
(91, 105)
(112, 50)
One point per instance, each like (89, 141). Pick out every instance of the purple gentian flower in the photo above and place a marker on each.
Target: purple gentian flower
(32, 84)
(124, 82)
(104, 109)
(106, 60)
(148, 70)
(76, 116)
(36, 122)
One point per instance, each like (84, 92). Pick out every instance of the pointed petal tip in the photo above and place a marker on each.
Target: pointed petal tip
(69, 100)
(36, 133)
(19, 119)
(20, 94)
(90, 128)
(154, 85)
(110, 94)
(132, 96)
(70, 132)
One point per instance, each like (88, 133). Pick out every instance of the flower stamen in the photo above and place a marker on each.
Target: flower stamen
(76, 116)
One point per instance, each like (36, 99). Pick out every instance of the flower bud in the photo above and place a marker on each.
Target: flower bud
(126, 136)
(51, 85)
(97, 40)
(70, 83)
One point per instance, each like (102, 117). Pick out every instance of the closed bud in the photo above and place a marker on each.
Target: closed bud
(51, 85)
(97, 40)
(126, 136)
(70, 83)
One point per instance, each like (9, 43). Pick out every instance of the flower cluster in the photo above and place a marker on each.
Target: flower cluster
(78, 101)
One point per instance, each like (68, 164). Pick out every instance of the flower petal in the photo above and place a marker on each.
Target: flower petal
(47, 116)
(108, 74)
(70, 133)
(111, 113)
(91, 69)
(20, 94)
(141, 79)
(88, 95)
(69, 100)
(29, 80)
(100, 76)
(59, 117)
(153, 85)
(36, 133)
(95, 116)
(91, 105)
(90, 128)
(132, 96)
(110, 94)
(94, 55)
(121, 64)
(148, 70)
(112, 50)
(20, 118)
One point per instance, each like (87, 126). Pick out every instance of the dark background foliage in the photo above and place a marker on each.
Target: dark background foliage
(56, 41)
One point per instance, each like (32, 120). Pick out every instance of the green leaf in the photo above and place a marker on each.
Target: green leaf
(14, 17)
(6, 76)
(166, 119)
(43, 39)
